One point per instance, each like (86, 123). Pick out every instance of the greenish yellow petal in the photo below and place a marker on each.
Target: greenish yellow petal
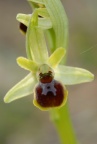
(27, 64)
(56, 57)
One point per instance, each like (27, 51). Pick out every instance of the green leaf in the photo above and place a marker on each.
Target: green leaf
(23, 88)
(59, 22)
(27, 64)
(70, 75)
(56, 57)
(35, 40)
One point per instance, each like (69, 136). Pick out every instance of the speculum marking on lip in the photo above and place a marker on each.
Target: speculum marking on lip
(50, 97)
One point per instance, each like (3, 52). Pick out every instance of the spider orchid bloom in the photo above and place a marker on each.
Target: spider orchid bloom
(48, 91)
(47, 81)
(47, 78)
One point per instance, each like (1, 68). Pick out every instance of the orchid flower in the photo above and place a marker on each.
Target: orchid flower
(46, 32)
(47, 77)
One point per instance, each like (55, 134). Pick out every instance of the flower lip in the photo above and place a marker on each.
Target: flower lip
(23, 28)
(50, 95)
(48, 92)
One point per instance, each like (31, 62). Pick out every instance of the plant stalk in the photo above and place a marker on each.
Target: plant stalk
(62, 121)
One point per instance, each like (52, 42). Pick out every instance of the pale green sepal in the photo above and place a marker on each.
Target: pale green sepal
(33, 21)
(43, 12)
(23, 88)
(23, 18)
(70, 75)
(56, 57)
(44, 23)
(27, 64)
(36, 44)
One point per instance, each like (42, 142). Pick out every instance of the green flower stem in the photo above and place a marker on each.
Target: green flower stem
(61, 119)
(59, 38)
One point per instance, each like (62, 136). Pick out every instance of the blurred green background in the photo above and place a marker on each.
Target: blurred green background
(20, 121)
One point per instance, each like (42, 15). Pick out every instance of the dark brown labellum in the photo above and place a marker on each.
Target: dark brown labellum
(49, 94)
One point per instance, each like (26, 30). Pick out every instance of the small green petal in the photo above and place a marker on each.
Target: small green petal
(27, 64)
(23, 88)
(71, 75)
(56, 57)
